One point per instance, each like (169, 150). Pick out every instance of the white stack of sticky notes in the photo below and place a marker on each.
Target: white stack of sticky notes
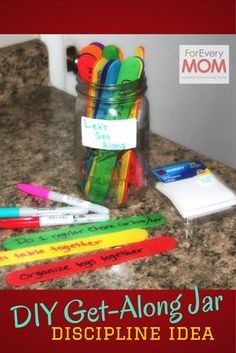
(198, 195)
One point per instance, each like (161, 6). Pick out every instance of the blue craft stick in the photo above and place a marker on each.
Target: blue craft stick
(110, 76)
(102, 81)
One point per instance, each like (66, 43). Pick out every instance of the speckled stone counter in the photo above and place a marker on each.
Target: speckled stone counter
(23, 69)
(37, 146)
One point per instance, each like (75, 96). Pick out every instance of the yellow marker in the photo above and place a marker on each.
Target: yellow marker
(65, 248)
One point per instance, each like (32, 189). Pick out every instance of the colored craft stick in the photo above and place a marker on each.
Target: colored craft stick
(129, 161)
(65, 248)
(112, 52)
(109, 76)
(126, 159)
(98, 44)
(130, 70)
(85, 66)
(136, 173)
(147, 221)
(91, 262)
(96, 73)
(140, 52)
(92, 49)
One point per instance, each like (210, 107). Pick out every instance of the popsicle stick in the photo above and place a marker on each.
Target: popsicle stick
(126, 158)
(65, 248)
(146, 221)
(130, 70)
(112, 52)
(98, 44)
(96, 73)
(95, 76)
(140, 52)
(85, 66)
(93, 49)
(109, 76)
(91, 262)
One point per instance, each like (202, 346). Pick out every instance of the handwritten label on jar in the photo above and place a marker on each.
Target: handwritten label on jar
(109, 134)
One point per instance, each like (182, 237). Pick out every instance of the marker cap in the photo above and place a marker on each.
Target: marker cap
(34, 190)
(9, 212)
(18, 223)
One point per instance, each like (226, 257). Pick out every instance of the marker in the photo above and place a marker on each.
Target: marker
(14, 212)
(146, 221)
(58, 197)
(47, 221)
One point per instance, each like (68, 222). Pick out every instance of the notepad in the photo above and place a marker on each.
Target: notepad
(194, 190)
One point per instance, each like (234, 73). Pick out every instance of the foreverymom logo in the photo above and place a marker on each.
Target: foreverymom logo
(207, 64)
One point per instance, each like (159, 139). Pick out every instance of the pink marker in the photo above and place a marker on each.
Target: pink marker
(58, 197)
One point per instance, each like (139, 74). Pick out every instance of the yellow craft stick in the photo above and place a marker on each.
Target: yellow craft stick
(140, 52)
(91, 106)
(65, 248)
(125, 163)
(125, 159)
(91, 172)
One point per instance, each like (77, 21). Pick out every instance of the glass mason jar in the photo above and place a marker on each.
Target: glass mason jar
(112, 141)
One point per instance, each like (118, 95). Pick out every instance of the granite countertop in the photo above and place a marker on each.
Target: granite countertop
(37, 146)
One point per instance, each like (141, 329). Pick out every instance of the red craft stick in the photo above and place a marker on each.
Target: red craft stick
(90, 262)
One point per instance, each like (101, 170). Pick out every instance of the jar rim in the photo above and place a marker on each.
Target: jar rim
(142, 81)
(127, 90)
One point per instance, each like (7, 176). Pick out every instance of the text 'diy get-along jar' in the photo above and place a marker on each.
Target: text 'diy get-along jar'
(112, 133)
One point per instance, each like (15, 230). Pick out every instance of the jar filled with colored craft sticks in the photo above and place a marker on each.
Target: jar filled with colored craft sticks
(111, 125)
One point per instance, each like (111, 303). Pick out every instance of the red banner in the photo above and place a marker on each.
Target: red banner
(123, 17)
(114, 321)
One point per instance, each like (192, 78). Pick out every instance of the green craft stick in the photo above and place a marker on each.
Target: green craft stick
(112, 52)
(152, 220)
(131, 70)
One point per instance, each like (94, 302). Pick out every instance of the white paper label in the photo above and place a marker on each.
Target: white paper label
(109, 134)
